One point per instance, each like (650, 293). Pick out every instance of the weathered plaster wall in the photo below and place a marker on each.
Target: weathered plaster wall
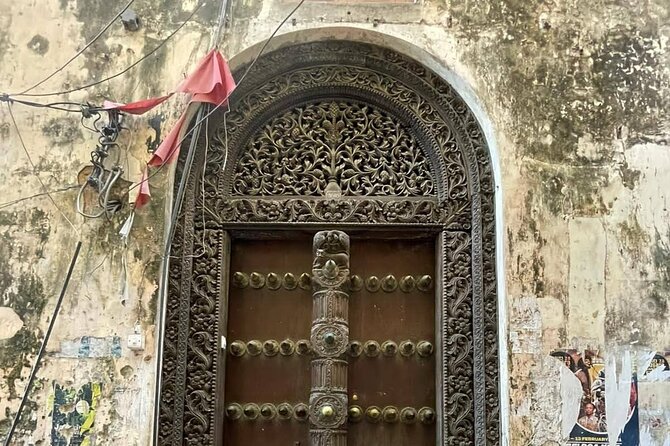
(575, 97)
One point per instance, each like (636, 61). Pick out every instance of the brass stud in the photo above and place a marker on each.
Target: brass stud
(373, 414)
(286, 347)
(300, 412)
(424, 348)
(389, 283)
(240, 280)
(251, 411)
(389, 348)
(329, 338)
(290, 282)
(390, 414)
(237, 348)
(356, 283)
(330, 269)
(407, 348)
(426, 415)
(270, 347)
(234, 411)
(327, 411)
(268, 411)
(371, 348)
(305, 281)
(424, 283)
(355, 349)
(256, 280)
(254, 347)
(273, 281)
(284, 410)
(355, 414)
(407, 284)
(372, 284)
(303, 347)
(408, 415)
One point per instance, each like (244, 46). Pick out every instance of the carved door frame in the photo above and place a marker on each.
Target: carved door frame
(457, 204)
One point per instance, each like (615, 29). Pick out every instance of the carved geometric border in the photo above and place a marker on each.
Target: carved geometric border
(464, 209)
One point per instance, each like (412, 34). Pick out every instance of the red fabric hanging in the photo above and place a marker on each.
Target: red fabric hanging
(211, 81)
(138, 107)
(143, 193)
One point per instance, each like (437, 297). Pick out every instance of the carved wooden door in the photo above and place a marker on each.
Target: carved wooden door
(331, 345)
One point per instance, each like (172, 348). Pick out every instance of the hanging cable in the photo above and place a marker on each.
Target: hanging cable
(79, 53)
(199, 121)
(30, 160)
(125, 70)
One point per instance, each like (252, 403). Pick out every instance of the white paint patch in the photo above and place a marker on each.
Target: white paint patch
(571, 396)
(10, 323)
(617, 396)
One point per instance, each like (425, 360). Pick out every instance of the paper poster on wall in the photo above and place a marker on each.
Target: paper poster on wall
(591, 425)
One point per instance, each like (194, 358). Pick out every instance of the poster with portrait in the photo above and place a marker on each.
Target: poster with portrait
(591, 426)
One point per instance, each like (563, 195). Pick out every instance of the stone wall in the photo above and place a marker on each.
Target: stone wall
(573, 97)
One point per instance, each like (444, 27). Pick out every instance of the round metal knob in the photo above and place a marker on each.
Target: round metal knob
(407, 283)
(305, 281)
(389, 283)
(251, 411)
(373, 414)
(273, 281)
(355, 349)
(240, 280)
(270, 347)
(234, 411)
(389, 348)
(254, 347)
(287, 347)
(355, 283)
(330, 269)
(256, 280)
(268, 411)
(303, 347)
(329, 338)
(424, 348)
(237, 348)
(390, 414)
(426, 415)
(407, 348)
(290, 282)
(284, 410)
(300, 412)
(424, 283)
(408, 415)
(373, 284)
(371, 348)
(355, 414)
(327, 411)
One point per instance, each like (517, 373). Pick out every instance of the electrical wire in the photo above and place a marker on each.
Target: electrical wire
(30, 160)
(125, 70)
(225, 100)
(79, 53)
(19, 200)
(80, 108)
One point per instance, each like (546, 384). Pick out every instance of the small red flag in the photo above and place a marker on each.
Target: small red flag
(143, 192)
(136, 108)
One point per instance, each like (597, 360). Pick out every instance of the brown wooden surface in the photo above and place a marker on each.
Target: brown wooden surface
(265, 314)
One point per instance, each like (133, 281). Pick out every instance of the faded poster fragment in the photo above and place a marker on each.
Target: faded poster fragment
(598, 381)
(73, 414)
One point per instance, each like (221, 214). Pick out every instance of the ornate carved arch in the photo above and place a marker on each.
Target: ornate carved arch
(339, 133)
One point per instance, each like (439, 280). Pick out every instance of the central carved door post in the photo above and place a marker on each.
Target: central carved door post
(330, 338)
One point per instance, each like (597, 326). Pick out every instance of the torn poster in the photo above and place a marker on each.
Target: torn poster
(591, 426)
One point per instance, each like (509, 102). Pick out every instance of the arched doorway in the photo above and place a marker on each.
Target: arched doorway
(349, 137)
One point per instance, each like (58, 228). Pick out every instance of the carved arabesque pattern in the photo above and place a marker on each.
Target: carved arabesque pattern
(439, 122)
(360, 149)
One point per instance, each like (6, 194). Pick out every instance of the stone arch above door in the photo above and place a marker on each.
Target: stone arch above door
(346, 134)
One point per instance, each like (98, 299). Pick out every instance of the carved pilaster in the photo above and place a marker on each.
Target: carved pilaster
(330, 337)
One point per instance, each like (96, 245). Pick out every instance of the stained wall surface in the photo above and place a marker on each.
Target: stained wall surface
(573, 96)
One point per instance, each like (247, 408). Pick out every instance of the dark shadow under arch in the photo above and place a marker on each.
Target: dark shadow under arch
(460, 211)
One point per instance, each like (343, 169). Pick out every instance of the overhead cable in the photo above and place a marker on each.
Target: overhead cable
(125, 70)
(199, 121)
(79, 53)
